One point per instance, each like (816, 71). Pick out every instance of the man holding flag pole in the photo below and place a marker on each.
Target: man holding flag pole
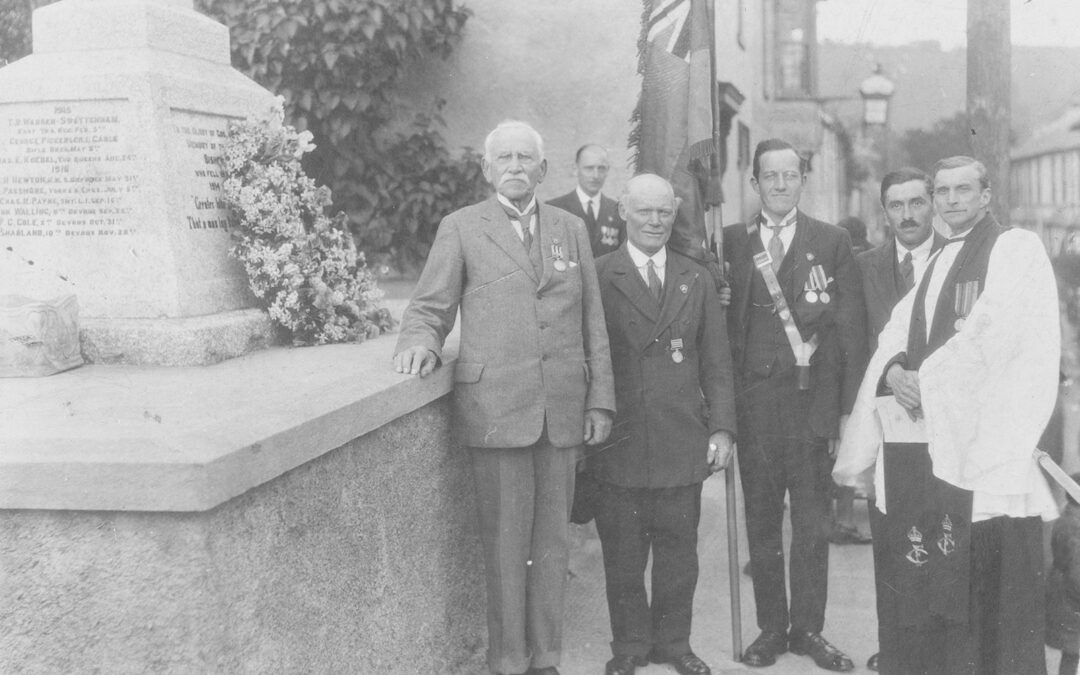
(676, 136)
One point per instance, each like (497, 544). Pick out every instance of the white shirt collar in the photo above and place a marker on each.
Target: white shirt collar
(920, 252)
(789, 218)
(506, 202)
(641, 259)
(585, 199)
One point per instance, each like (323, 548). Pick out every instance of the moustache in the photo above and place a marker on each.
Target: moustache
(908, 223)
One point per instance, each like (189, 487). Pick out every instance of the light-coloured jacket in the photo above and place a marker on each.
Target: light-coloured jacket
(533, 348)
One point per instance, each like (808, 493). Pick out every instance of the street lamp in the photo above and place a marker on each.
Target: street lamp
(876, 91)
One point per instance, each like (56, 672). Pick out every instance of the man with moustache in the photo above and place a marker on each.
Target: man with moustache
(607, 229)
(797, 330)
(970, 358)
(675, 427)
(888, 273)
(531, 384)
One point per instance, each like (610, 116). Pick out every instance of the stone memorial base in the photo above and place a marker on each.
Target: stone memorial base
(110, 184)
(191, 341)
(289, 511)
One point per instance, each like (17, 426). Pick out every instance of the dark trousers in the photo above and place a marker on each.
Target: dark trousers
(630, 521)
(777, 457)
(523, 498)
(1005, 631)
(886, 606)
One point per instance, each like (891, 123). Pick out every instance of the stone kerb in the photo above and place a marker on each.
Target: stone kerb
(109, 186)
(291, 510)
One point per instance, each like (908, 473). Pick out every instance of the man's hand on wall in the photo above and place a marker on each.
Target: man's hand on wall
(597, 426)
(416, 361)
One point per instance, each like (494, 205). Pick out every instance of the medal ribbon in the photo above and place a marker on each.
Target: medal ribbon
(802, 350)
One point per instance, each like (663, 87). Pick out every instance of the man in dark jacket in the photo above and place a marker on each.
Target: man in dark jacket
(888, 273)
(606, 227)
(797, 330)
(675, 426)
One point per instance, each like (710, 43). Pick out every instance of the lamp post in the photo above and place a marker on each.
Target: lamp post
(876, 92)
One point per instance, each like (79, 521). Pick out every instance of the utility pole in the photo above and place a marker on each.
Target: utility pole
(989, 64)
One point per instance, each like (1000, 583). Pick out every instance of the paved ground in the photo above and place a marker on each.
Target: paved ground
(851, 623)
(850, 619)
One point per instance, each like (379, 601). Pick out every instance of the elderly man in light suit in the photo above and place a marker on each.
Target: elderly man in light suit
(533, 382)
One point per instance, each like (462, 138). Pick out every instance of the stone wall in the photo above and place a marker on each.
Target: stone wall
(362, 560)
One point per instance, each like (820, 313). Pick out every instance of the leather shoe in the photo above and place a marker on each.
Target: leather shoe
(818, 648)
(685, 664)
(763, 651)
(624, 664)
(871, 663)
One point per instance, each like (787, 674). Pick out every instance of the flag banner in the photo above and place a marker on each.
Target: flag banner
(673, 124)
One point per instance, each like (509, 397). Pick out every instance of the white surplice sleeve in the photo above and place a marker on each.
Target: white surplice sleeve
(989, 391)
(861, 439)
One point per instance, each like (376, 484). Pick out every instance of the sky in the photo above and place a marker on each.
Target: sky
(893, 22)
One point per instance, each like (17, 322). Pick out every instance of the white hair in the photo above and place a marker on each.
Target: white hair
(513, 124)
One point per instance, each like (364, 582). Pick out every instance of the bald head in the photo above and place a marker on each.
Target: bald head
(648, 206)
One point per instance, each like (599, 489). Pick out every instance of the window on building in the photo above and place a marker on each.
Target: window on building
(794, 43)
(744, 146)
(740, 22)
(1059, 179)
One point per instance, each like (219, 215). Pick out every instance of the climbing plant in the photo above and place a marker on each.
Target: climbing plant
(340, 65)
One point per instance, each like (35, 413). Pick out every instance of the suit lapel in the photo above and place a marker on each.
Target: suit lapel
(795, 270)
(742, 268)
(625, 277)
(677, 275)
(498, 228)
(886, 275)
(551, 233)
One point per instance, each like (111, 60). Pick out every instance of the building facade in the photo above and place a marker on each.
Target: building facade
(1045, 183)
(570, 68)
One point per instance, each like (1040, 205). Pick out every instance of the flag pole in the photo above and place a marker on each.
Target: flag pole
(714, 228)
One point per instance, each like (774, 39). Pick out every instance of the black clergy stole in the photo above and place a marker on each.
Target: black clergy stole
(928, 525)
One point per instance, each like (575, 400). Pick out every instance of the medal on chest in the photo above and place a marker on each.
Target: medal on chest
(816, 284)
(676, 350)
(967, 292)
(557, 254)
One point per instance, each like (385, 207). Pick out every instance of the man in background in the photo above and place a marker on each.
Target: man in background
(888, 273)
(532, 383)
(606, 228)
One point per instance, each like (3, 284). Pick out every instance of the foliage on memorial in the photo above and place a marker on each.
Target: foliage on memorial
(339, 65)
(301, 264)
(15, 27)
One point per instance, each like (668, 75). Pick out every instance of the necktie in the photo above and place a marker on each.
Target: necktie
(524, 219)
(907, 271)
(776, 248)
(654, 280)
